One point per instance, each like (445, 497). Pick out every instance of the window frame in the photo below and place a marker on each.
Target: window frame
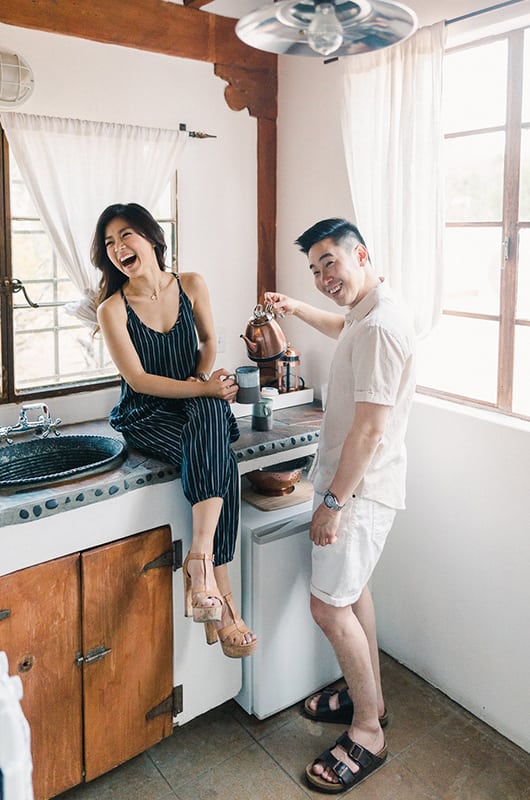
(8, 390)
(510, 225)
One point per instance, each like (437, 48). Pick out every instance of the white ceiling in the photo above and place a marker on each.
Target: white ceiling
(428, 11)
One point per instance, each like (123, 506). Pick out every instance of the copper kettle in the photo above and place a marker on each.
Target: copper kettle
(263, 336)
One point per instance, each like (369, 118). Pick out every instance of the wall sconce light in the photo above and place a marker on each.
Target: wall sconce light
(16, 80)
(324, 27)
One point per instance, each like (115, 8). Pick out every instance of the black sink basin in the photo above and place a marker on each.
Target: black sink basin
(45, 462)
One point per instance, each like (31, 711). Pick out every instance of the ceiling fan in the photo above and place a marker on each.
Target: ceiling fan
(326, 27)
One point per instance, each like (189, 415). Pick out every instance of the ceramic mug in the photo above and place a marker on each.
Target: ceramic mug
(262, 414)
(247, 379)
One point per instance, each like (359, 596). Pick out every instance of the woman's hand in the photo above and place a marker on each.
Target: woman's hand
(221, 384)
(282, 304)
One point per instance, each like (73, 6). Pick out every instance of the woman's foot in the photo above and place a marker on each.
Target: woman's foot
(237, 640)
(202, 599)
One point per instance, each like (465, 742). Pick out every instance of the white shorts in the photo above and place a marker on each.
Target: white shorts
(341, 570)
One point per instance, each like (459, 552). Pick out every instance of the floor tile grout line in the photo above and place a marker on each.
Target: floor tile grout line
(171, 788)
(275, 761)
(213, 766)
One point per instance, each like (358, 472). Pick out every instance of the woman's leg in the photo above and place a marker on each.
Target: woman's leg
(235, 635)
(211, 484)
(205, 515)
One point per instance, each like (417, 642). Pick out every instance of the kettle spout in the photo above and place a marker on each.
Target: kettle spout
(252, 347)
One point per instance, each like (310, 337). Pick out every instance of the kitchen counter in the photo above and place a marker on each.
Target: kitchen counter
(294, 428)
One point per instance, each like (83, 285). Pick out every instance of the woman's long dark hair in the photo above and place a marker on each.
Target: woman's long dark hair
(141, 221)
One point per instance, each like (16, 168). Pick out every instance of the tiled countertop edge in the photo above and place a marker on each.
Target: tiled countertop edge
(138, 471)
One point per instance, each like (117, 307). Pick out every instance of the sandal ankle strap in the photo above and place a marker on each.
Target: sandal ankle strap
(200, 557)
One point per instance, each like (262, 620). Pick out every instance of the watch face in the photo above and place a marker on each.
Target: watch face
(330, 501)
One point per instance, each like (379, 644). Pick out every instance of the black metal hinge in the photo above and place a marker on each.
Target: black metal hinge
(171, 558)
(173, 704)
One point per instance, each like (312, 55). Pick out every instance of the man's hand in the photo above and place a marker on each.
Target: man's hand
(282, 304)
(324, 526)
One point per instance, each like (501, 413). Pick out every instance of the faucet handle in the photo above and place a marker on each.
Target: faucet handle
(51, 427)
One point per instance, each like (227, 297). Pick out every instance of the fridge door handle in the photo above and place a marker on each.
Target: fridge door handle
(291, 528)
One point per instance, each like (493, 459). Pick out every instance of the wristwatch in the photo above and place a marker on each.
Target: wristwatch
(331, 502)
(203, 376)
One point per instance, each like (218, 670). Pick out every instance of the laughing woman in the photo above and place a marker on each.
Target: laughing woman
(159, 331)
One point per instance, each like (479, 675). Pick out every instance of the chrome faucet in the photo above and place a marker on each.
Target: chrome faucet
(43, 425)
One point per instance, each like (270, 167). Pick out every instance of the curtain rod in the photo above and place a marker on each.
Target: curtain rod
(481, 11)
(196, 134)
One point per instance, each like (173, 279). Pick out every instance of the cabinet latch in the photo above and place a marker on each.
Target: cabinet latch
(173, 704)
(97, 653)
(6, 612)
(171, 558)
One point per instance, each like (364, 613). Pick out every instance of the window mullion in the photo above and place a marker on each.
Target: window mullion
(6, 298)
(510, 218)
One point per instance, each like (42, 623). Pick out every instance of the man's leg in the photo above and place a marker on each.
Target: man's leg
(347, 636)
(365, 613)
(363, 609)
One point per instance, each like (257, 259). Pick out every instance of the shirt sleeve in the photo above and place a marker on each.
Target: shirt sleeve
(378, 361)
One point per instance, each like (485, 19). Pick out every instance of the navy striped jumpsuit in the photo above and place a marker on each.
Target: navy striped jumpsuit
(193, 433)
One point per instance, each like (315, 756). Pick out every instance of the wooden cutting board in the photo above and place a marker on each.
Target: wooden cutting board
(302, 492)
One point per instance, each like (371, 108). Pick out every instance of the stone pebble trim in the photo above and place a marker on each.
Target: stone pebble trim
(38, 503)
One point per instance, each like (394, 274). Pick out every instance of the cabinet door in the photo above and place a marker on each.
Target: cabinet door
(40, 631)
(127, 611)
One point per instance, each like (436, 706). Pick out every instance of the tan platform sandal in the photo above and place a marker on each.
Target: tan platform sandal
(231, 636)
(194, 596)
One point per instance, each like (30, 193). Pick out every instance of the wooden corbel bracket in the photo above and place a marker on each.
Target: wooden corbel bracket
(255, 89)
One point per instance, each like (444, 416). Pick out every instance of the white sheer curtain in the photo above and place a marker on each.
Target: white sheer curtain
(75, 168)
(392, 131)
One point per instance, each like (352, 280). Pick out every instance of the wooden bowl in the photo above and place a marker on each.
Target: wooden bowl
(279, 479)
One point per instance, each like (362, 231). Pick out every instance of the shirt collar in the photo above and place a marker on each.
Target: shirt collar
(361, 309)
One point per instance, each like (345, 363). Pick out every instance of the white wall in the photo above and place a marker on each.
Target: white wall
(452, 590)
(217, 180)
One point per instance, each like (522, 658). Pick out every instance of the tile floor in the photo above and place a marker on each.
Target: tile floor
(437, 751)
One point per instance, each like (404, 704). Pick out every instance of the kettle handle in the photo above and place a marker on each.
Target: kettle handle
(261, 311)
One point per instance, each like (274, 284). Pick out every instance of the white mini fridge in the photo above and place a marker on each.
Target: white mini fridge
(293, 657)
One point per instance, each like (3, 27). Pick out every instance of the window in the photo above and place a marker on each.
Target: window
(480, 351)
(45, 349)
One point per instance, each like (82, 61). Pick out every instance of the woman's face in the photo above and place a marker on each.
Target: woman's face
(127, 249)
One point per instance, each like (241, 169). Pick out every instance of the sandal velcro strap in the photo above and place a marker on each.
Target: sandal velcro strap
(344, 702)
(323, 700)
(363, 758)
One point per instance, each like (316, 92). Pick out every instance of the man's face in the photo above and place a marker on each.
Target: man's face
(338, 270)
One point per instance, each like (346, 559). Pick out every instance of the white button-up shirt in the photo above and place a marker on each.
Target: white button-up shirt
(373, 363)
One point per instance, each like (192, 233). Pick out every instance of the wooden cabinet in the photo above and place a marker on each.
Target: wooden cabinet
(91, 637)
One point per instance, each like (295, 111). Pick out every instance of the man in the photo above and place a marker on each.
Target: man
(359, 480)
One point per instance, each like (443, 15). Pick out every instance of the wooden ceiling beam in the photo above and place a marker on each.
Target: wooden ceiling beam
(147, 25)
(196, 3)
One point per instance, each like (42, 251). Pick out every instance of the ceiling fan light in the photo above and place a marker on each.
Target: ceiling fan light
(325, 34)
(282, 26)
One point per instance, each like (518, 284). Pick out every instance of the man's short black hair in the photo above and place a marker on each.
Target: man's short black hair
(334, 228)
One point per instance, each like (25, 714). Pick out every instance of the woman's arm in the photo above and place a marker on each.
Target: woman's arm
(196, 289)
(112, 318)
